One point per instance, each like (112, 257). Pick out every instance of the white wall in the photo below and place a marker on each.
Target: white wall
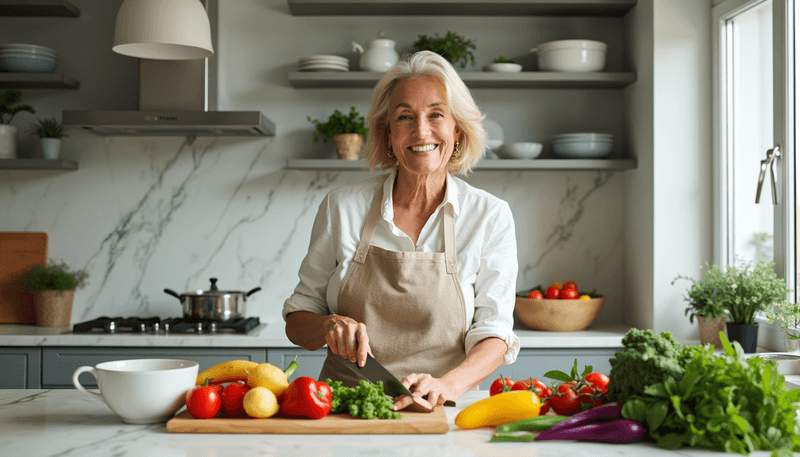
(145, 213)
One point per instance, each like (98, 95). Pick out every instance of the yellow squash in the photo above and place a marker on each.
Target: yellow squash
(499, 409)
(232, 370)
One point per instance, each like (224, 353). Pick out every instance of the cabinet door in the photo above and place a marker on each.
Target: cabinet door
(58, 364)
(534, 363)
(309, 363)
(21, 368)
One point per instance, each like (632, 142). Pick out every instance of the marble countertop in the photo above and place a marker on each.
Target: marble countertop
(270, 335)
(37, 423)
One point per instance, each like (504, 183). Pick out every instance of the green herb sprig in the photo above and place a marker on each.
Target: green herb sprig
(366, 400)
(53, 276)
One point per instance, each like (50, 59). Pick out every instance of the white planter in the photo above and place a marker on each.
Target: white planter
(8, 141)
(51, 147)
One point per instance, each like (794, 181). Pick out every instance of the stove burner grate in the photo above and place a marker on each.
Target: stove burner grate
(156, 325)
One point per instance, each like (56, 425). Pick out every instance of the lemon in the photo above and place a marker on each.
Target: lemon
(584, 297)
(269, 376)
(260, 402)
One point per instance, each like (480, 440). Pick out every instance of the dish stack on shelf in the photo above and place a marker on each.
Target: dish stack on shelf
(323, 63)
(27, 58)
(583, 145)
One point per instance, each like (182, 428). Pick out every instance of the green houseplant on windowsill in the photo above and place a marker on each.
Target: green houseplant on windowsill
(787, 316)
(53, 287)
(705, 302)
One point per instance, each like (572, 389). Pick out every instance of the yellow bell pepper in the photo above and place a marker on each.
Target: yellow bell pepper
(499, 409)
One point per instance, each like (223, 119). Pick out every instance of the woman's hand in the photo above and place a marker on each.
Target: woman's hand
(425, 387)
(347, 338)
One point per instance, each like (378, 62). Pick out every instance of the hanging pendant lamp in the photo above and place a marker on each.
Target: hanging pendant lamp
(163, 30)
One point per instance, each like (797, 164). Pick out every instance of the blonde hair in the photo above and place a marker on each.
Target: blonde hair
(465, 112)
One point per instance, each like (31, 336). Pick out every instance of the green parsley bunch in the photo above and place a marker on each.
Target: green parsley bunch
(367, 400)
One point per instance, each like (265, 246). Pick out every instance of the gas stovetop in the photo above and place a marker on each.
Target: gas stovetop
(156, 325)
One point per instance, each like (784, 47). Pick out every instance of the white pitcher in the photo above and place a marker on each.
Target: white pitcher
(379, 55)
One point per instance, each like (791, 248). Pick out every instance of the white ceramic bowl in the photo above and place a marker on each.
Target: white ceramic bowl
(520, 150)
(503, 67)
(28, 47)
(788, 363)
(582, 148)
(141, 391)
(571, 55)
(583, 136)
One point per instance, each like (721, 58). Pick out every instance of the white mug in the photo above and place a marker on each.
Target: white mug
(141, 391)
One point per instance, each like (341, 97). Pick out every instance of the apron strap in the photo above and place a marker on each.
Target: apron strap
(371, 224)
(369, 227)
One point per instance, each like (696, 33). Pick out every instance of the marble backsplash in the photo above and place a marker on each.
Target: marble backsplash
(146, 213)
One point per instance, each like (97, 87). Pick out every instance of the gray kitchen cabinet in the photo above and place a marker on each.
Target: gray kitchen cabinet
(58, 363)
(21, 368)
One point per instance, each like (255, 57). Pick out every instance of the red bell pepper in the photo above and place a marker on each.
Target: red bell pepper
(306, 397)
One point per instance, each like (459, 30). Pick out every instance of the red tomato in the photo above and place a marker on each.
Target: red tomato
(204, 402)
(565, 400)
(499, 385)
(535, 294)
(570, 285)
(216, 385)
(233, 398)
(552, 292)
(545, 407)
(598, 380)
(590, 396)
(569, 294)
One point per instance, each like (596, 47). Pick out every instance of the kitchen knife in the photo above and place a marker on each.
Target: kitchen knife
(373, 371)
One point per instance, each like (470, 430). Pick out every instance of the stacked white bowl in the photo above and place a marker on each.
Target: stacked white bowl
(27, 58)
(583, 145)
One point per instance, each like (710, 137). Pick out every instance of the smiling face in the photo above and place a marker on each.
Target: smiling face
(422, 129)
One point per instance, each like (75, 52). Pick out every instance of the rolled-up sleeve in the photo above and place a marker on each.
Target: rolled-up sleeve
(495, 286)
(317, 267)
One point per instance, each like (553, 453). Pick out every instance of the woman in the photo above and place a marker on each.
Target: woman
(416, 268)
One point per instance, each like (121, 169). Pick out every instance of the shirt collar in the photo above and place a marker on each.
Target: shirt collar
(450, 196)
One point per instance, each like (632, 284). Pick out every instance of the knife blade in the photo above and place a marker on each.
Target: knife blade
(373, 371)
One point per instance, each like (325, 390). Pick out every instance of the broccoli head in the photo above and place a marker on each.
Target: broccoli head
(646, 359)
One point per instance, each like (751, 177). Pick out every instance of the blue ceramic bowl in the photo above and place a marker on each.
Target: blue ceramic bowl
(27, 64)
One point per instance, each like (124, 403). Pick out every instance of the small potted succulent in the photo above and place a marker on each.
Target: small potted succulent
(9, 107)
(50, 132)
(53, 287)
(503, 65)
(452, 47)
(347, 131)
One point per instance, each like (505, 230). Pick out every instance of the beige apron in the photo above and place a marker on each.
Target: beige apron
(410, 302)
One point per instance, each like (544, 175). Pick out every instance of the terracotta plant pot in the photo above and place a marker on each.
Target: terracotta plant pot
(348, 145)
(709, 330)
(53, 308)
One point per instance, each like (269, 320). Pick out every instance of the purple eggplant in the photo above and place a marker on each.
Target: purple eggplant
(607, 411)
(617, 431)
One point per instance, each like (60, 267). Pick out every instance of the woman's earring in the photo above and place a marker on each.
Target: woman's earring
(456, 150)
(390, 153)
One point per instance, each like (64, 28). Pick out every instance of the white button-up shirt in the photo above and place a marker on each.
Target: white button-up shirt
(486, 249)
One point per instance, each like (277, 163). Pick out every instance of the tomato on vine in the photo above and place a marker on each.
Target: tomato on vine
(500, 385)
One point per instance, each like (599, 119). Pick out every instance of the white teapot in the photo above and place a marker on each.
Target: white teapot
(379, 56)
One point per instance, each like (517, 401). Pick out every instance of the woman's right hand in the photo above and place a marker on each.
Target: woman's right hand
(347, 338)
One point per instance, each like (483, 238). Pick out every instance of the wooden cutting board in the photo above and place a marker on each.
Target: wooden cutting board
(338, 424)
(18, 252)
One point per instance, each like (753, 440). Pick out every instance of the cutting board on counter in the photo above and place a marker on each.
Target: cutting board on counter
(19, 251)
(337, 424)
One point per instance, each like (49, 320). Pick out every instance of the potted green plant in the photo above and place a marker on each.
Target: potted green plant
(50, 132)
(705, 302)
(347, 131)
(503, 65)
(53, 287)
(743, 290)
(9, 107)
(787, 316)
(452, 47)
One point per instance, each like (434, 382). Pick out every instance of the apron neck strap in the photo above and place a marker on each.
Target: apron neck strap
(371, 224)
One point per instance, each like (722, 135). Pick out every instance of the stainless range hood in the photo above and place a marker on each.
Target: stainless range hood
(176, 98)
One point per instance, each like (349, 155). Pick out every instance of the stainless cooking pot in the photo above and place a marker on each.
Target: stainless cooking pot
(213, 304)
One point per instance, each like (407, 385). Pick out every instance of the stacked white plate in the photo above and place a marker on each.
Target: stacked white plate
(324, 63)
(583, 145)
(27, 58)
